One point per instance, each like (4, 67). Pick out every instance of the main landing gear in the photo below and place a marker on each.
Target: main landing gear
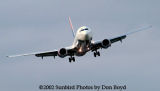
(96, 53)
(71, 59)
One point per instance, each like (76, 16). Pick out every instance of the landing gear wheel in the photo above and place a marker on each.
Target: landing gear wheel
(98, 53)
(73, 59)
(95, 54)
(70, 60)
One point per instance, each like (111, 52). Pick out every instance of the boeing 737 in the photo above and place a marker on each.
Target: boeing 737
(82, 44)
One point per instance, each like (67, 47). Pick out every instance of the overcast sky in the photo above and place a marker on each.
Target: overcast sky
(40, 25)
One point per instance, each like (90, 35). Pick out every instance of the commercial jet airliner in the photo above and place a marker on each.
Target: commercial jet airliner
(82, 44)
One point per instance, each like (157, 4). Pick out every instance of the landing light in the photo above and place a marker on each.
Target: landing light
(80, 50)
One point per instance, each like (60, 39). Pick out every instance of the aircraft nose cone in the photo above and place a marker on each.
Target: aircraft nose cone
(88, 36)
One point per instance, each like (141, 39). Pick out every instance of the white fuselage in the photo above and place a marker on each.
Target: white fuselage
(82, 40)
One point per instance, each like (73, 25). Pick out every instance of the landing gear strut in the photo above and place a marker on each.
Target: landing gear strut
(96, 53)
(71, 59)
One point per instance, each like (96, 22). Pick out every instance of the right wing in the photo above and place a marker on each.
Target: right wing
(45, 54)
(68, 52)
(39, 54)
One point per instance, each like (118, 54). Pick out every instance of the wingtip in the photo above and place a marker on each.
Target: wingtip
(10, 56)
(151, 26)
(7, 56)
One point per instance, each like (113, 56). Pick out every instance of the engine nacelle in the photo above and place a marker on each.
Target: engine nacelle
(62, 52)
(106, 43)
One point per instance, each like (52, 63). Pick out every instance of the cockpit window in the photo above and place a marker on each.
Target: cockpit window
(84, 29)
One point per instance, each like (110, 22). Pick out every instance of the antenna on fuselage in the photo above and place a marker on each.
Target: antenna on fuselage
(70, 22)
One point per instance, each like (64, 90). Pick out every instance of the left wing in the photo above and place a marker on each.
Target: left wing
(107, 42)
(120, 38)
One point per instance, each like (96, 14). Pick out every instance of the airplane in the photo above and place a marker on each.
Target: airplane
(82, 44)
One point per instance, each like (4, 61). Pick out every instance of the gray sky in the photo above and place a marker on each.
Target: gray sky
(40, 25)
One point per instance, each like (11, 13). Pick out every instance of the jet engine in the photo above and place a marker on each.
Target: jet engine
(106, 43)
(62, 52)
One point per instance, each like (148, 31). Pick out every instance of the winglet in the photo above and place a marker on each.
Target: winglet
(70, 22)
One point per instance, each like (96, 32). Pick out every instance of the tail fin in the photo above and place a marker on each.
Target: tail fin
(70, 22)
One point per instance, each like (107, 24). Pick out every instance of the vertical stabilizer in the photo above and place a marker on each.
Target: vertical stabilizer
(70, 22)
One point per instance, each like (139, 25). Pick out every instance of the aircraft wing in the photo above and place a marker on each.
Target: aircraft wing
(39, 54)
(120, 38)
(116, 39)
(44, 54)
(69, 52)
(99, 44)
